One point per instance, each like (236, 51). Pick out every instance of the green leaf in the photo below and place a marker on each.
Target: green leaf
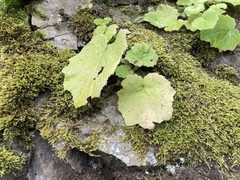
(206, 21)
(185, 2)
(223, 36)
(191, 18)
(141, 54)
(218, 8)
(190, 2)
(124, 70)
(145, 100)
(194, 9)
(100, 22)
(108, 32)
(89, 70)
(165, 16)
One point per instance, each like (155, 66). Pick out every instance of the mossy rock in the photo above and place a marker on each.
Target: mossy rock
(205, 122)
(29, 65)
(9, 160)
(226, 72)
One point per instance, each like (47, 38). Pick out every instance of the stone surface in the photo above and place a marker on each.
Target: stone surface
(110, 119)
(106, 124)
(55, 26)
(231, 59)
(44, 163)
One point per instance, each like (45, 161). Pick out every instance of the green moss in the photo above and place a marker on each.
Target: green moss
(190, 43)
(83, 23)
(226, 72)
(61, 122)
(9, 160)
(11, 4)
(29, 66)
(205, 122)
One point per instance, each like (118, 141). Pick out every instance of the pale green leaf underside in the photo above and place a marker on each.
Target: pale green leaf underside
(207, 20)
(141, 54)
(223, 36)
(100, 22)
(194, 9)
(145, 100)
(124, 70)
(185, 2)
(89, 70)
(190, 2)
(165, 16)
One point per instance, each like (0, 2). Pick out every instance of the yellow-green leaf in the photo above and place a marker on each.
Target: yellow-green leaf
(89, 70)
(145, 100)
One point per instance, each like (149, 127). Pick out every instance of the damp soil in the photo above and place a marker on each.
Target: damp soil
(201, 172)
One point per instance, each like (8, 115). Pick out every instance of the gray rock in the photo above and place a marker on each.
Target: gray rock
(55, 26)
(231, 59)
(21, 174)
(44, 163)
(111, 143)
(112, 149)
(67, 40)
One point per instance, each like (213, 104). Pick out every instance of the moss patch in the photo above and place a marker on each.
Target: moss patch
(29, 65)
(226, 72)
(9, 160)
(205, 122)
(60, 124)
(82, 22)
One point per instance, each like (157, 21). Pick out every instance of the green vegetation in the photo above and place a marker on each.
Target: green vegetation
(10, 5)
(145, 100)
(124, 70)
(9, 160)
(216, 28)
(29, 65)
(88, 80)
(206, 110)
(142, 54)
(228, 73)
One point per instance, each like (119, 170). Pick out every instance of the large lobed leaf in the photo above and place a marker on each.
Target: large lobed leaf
(194, 9)
(209, 18)
(223, 36)
(89, 70)
(141, 54)
(164, 17)
(145, 100)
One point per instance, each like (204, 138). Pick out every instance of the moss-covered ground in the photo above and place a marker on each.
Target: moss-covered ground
(206, 120)
(29, 66)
